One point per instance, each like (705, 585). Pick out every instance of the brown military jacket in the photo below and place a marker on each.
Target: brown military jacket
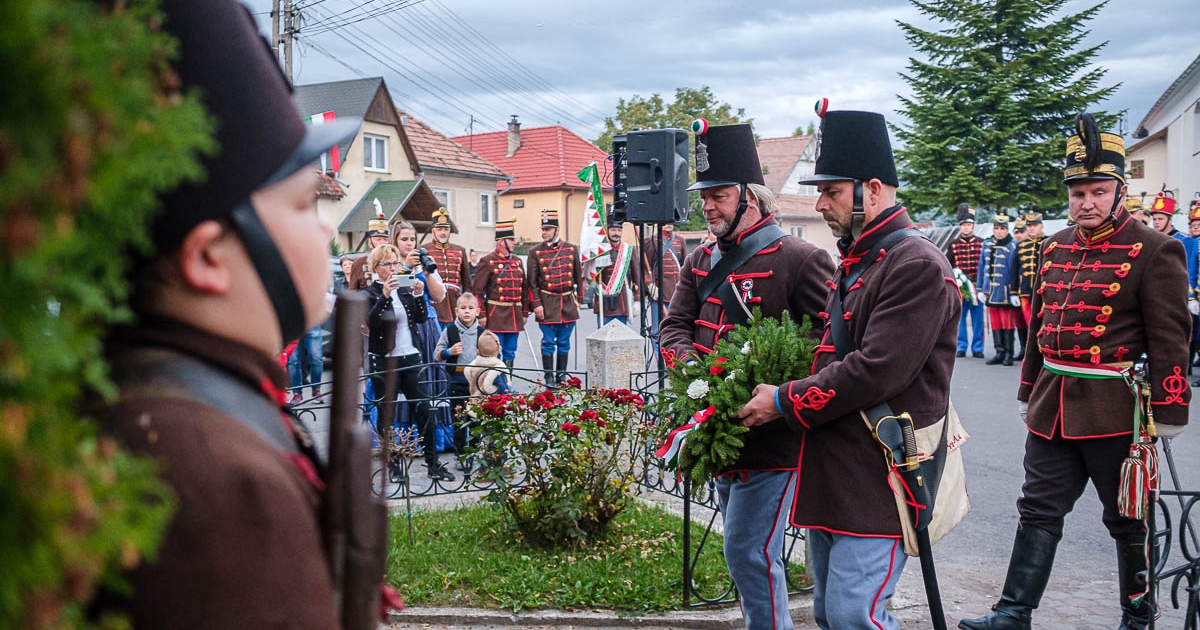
(243, 549)
(903, 319)
(555, 281)
(502, 291)
(789, 274)
(455, 270)
(671, 260)
(1100, 304)
(618, 305)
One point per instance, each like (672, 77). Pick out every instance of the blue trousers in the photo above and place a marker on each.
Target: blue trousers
(508, 345)
(755, 507)
(620, 318)
(656, 316)
(852, 577)
(975, 312)
(307, 358)
(556, 338)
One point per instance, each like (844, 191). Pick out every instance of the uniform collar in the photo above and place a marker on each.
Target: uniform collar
(888, 221)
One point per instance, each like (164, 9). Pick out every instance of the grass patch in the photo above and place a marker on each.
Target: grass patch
(467, 557)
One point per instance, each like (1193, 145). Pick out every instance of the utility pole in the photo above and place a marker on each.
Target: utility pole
(275, 29)
(289, 23)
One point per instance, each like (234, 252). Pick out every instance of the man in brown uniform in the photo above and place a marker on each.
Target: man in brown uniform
(1110, 291)
(502, 291)
(240, 268)
(555, 288)
(754, 264)
(453, 266)
(900, 307)
(666, 254)
(616, 279)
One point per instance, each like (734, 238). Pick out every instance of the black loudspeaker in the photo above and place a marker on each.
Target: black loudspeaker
(656, 176)
(616, 212)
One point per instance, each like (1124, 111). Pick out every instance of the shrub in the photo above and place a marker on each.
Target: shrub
(578, 451)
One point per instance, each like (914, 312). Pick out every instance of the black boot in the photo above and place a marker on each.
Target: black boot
(998, 341)
(548, 370)
(1009, 344)
(1022, 336)
(561, 364)
(509, 363)
(1028, 572)
(1131, 571)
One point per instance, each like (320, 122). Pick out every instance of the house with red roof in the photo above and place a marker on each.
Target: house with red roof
(543, 163)
(463, 182)
(785, 161)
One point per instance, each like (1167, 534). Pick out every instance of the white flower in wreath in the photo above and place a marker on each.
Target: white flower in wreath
(746, 348)
(732, 374)
(697, 389)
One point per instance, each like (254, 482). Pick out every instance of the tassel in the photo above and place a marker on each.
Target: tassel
(1139, 480)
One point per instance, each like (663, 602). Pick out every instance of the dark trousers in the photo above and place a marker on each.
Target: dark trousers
(408, 382)
(459, 392)
(1057, 472)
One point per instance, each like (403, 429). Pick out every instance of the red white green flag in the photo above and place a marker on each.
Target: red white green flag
(331, 158)
(593, 243)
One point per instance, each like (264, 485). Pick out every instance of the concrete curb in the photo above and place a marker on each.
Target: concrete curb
(722, 618)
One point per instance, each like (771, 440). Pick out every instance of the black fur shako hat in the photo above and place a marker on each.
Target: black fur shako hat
(260, 138)
(726, 155)
(852, 146)
(966, 214)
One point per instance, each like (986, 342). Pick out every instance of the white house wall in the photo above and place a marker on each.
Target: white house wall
(464, 208)
(1180, 115)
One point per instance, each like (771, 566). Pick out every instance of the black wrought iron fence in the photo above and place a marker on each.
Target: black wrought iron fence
(1175, 555)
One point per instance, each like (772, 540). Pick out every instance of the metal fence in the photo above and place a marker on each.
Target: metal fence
(1175, 554)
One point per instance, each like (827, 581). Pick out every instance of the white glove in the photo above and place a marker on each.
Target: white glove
(1194, 307)
(1014, 300)
(1169, 431)
(982, 297)
(1023, 409)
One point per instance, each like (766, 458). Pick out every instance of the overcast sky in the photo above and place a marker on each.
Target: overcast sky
(568, 62)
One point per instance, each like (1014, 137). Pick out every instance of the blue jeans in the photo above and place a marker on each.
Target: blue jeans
(656, 316)
(556, 338)
(307, 355)
(852, 577)
(975, 311)
(755, 507)
(508, 345)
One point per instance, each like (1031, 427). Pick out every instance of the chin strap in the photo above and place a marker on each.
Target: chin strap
(858, 216)
(1112, 213)
(737, 217)
(272, 271)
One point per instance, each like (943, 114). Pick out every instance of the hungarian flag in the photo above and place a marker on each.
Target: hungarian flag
(593, 243)
(330, 159)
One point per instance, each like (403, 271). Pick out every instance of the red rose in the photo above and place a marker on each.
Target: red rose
(574, 382)
(600, 422)
(589, 414)
(573, 429)
(718, 366)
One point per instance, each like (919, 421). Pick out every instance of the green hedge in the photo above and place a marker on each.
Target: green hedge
(92, 126)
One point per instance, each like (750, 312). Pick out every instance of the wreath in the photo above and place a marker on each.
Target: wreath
(702, 396)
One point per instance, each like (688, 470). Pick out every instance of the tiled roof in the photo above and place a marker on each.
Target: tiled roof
(345, 98)
(409, 199)
(549, 157)
(328, 187)
(437, 152)
(778, 157)
(793, 206)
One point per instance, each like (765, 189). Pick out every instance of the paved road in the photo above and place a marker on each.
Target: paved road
(972, 559)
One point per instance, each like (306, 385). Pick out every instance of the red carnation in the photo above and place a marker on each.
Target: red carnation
(718, 366)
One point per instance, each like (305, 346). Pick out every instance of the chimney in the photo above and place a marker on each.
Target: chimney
(514, 136)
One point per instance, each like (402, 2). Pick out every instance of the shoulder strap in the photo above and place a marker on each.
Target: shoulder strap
(452, 337)
(725, 264)
(839, 333)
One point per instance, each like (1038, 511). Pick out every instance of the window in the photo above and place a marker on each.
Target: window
(518, 203)
(374, 153)
(485, 209)
(798, 231)
(1137, 169)
(443, 197)
(807, 191)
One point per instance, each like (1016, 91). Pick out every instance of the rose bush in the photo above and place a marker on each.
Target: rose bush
(563, 462)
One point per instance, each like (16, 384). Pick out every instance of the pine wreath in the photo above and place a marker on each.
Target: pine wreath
(767, 350)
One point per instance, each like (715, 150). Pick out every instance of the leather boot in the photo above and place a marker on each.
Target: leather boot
(562, 368)
(548, 370)
(509, 364)
(1131, 571)
(1009, 345)
(998, 341)
(1028, 572)
(1022, 336)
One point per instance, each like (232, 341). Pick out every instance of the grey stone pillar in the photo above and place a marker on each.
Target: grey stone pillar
(613, 353)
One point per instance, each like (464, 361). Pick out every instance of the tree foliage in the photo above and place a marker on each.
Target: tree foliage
(655, 113)
(93, 126)
(994, 97)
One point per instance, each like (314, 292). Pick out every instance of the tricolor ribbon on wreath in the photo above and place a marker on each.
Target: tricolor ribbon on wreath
(669, 451)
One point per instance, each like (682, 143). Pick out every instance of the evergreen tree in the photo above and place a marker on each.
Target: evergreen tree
(993, 101)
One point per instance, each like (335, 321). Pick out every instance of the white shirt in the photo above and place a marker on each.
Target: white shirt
(404, 340)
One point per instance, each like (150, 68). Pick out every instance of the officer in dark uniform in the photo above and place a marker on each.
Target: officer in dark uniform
(555, 288)
(767, 268)
(1028, 261)
(1110, 290)
(993, 280)
(239, 269)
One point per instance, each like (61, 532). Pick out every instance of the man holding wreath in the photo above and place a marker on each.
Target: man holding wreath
(753, 264)
(897, 303)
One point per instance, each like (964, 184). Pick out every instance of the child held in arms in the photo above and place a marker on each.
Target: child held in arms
(487, 374)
